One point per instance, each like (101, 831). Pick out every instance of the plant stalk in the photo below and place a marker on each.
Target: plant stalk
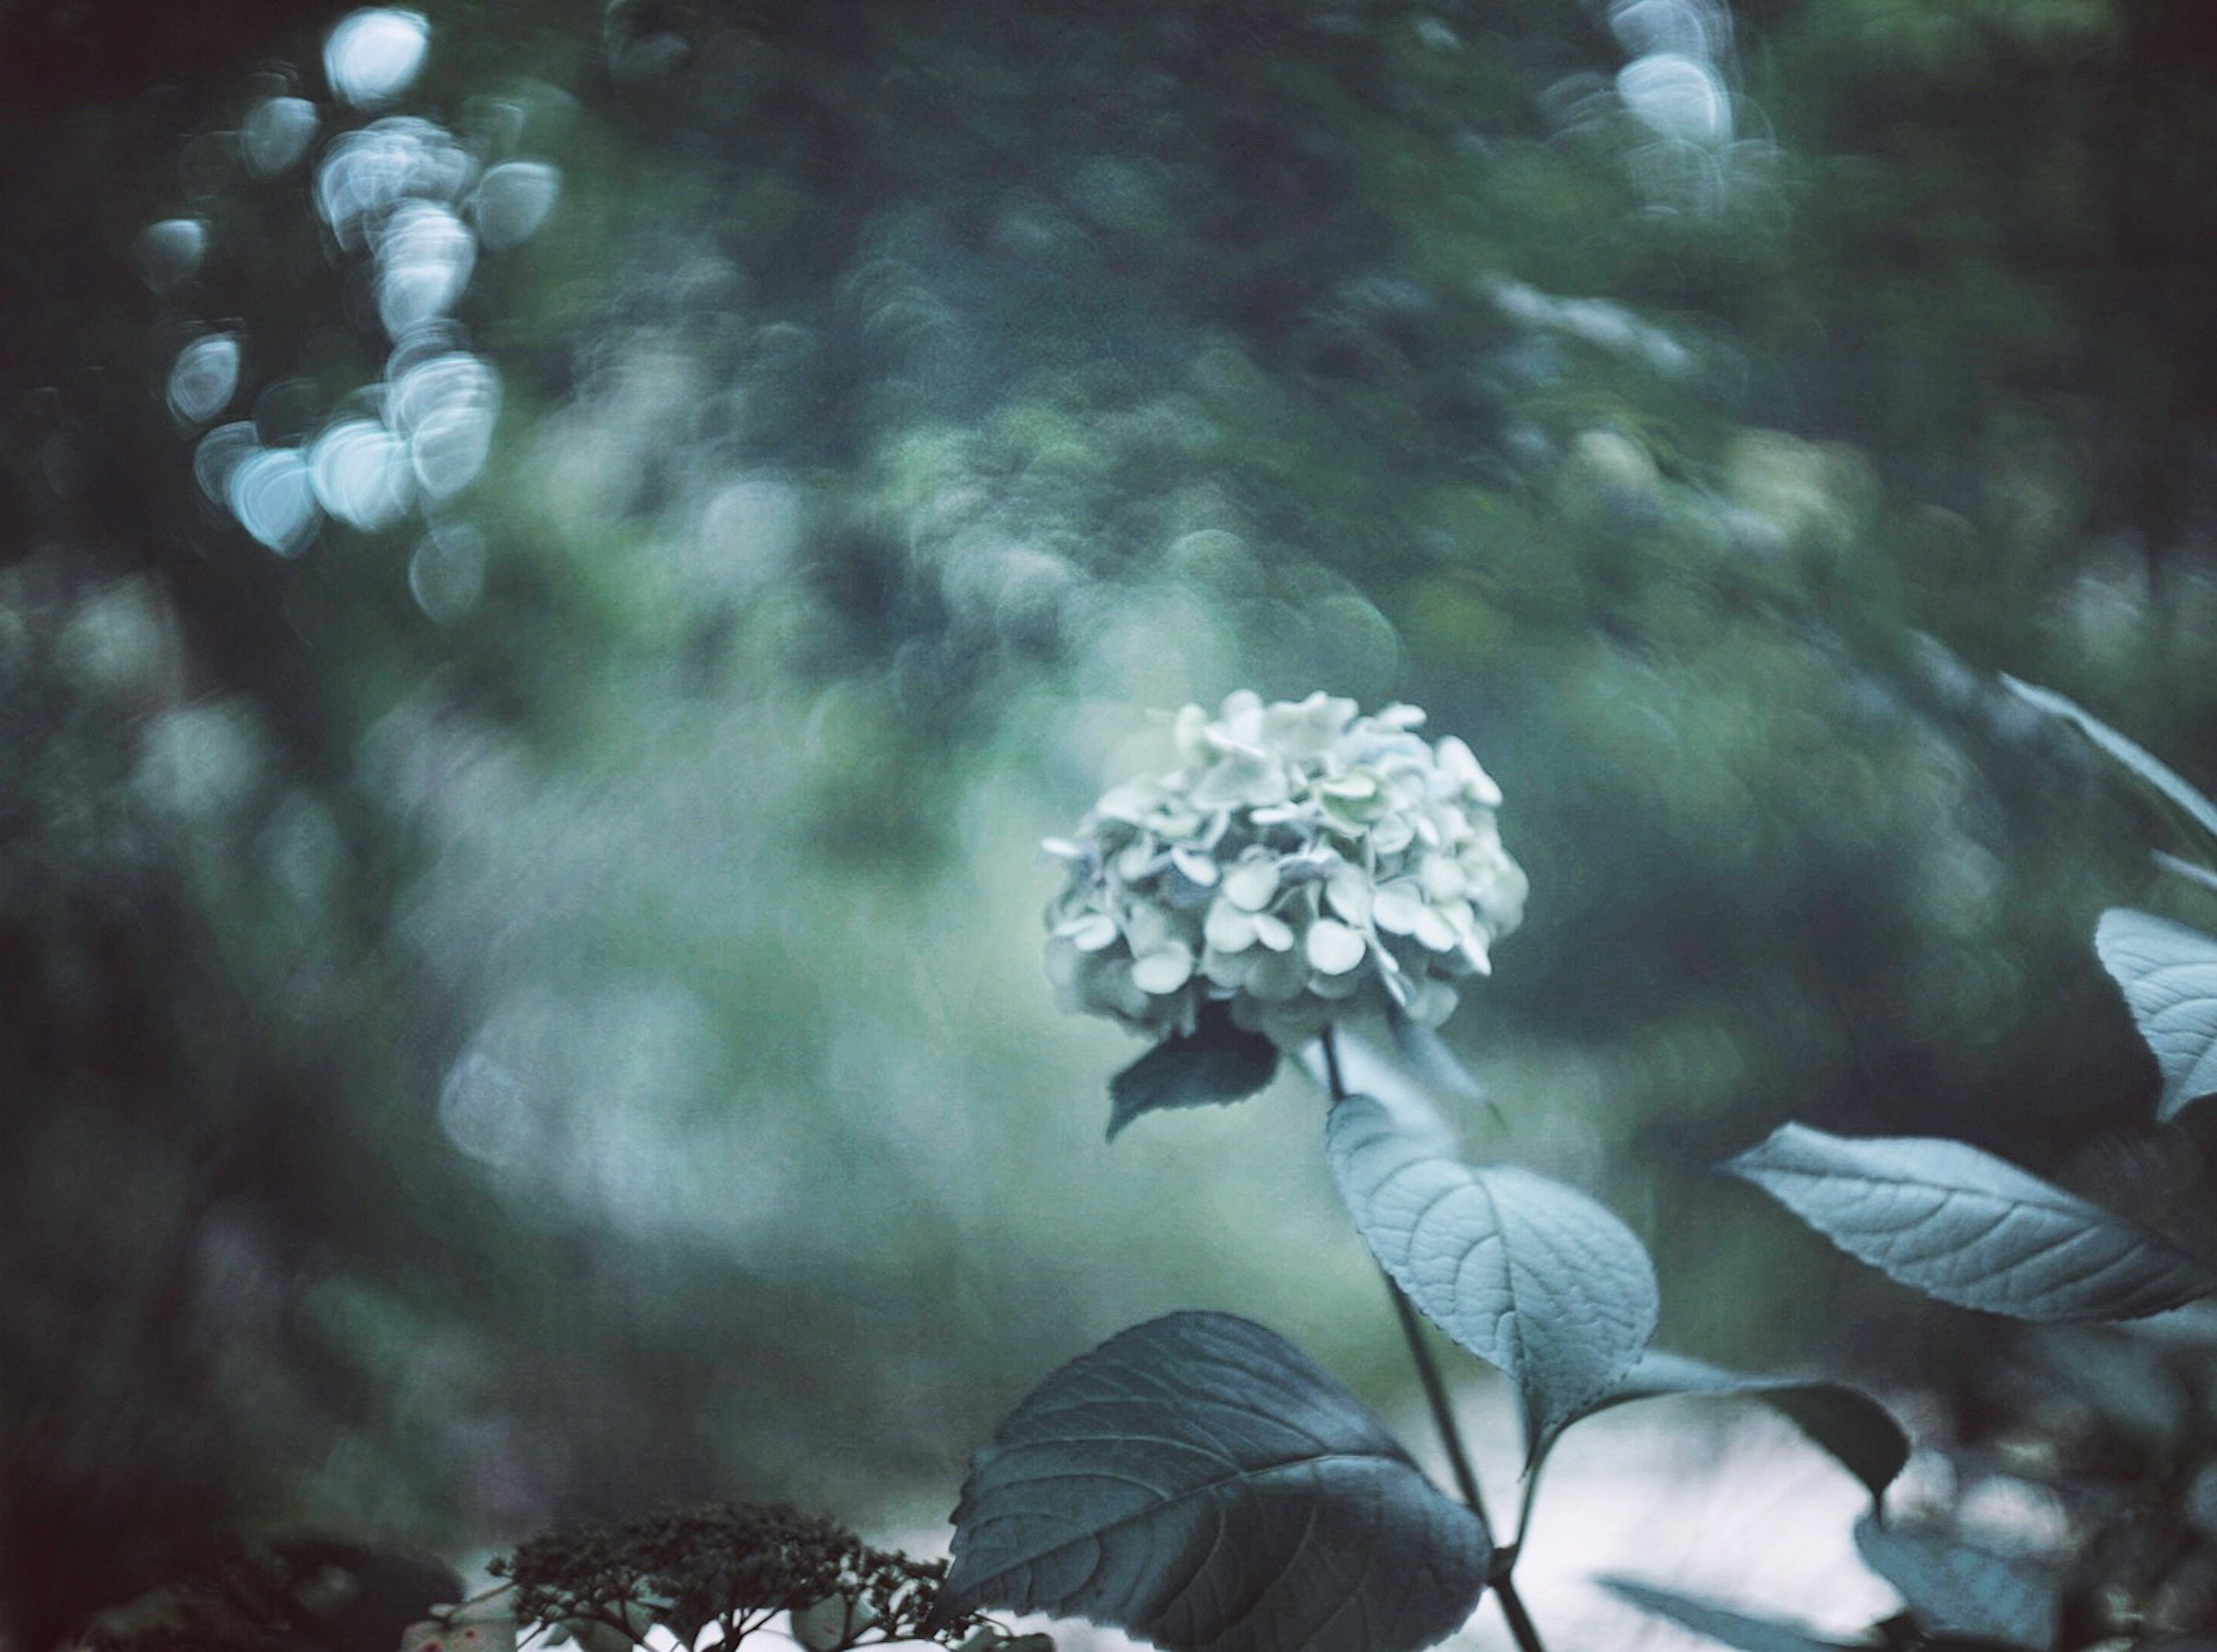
(1520, 1626)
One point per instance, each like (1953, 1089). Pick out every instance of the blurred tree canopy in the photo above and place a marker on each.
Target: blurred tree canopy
(575, 1038)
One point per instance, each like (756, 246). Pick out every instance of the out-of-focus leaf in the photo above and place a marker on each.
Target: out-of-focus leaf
(1532, 1276)
(1718, 1623)
(362, 1599)
(2169, 974)
(1199, 1482)
(1967, 1227)
(1435, 1066)
(1858, 1431)
(1219, 1063)
(2135, 759)
(2187, 869)
(1954, 1588)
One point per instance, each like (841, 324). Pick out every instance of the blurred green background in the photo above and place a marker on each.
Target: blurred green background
(572, 1035)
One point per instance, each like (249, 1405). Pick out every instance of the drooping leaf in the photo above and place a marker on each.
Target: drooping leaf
(1217, 1063)
(1718, 1623)
(1953, 1588)
(1532, 1276)
(2135, 759)
(2169, 974)
(1859, 1433)
(1967, 1227)
(1199, 1482)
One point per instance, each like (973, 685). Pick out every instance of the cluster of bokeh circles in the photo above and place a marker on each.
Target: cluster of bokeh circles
(410, 206)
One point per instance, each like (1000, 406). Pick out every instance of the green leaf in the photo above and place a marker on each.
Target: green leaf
(1217, 1064)
(2169, 974)
(1199, 1482)
(1718, 1624)
(1960, 1225)
(1858, 1431)
(1529, 1275)
(2135, 759)
(1954, 1588)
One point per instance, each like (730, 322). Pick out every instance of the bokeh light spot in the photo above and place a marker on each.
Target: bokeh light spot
(276, 133)
(270, 492)
(447, 573)
(374, 55)
(170, 253)
(360, 471)
(204, 378)
(513, 200)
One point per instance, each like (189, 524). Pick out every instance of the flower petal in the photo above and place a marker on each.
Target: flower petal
(1252, 883)
(1149, 928)
(1332, 948)
(1090, 933)
(1198, 869)
(1392, 833)
(1164, 971)
(1347, 892)
(1399, 906)
(1434, 930)
(1229, 929)
(1443, 876)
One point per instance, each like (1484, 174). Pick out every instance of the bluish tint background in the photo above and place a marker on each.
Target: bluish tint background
(523, 988)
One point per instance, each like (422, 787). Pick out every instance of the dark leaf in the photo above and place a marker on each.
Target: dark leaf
(1859, 1433)
(1219, 1063)
(1953, 1588)
(1199, 1482)
(1967, 1227)
(1529, 1275)
(2169, 974)
(1718, 1623)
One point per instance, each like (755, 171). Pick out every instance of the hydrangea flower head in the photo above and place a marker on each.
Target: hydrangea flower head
(1300, 862)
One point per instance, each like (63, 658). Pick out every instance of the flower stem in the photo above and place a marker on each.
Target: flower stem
(1521, 1627)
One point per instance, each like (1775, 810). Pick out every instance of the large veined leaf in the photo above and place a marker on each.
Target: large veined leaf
(1215, 1064)
(2169, 973)
(1968, 1229)
(1199, 1482)
(2135, 759)
(1859, 1433)
(1955, 1588)
(1718, 1623)
(1532, 1276)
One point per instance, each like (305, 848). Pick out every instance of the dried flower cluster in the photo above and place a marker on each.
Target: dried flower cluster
(1301, 860)
(736, 1566)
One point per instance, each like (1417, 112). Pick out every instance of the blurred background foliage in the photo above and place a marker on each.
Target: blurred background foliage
(571, 1036)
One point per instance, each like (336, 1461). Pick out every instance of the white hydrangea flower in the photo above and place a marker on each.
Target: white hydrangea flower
(1300, 861)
